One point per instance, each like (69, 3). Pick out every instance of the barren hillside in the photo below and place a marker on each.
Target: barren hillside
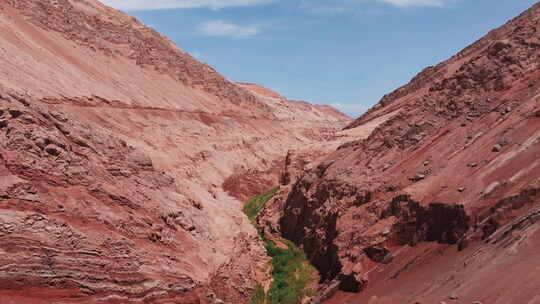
(114, 146)
(438, 196)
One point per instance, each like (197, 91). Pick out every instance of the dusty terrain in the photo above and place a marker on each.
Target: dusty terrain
(124, 163)
(438, 197)
(115, 149)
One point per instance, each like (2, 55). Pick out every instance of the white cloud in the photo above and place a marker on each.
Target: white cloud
(404, 3)
(353, 110)
(171, 4)
(334, 7)
(225, 29)
(327, 9)
(198, 55)
(316, 6)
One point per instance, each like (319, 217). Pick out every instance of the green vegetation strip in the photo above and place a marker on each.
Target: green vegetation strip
(291, 272)
(255, 205)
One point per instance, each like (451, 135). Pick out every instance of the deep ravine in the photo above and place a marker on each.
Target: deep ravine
(292, 275)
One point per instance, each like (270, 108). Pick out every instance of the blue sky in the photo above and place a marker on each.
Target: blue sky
(347, 53)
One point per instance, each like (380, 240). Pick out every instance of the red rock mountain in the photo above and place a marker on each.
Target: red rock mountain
(124, 163)
(438, 198)
(115, 152)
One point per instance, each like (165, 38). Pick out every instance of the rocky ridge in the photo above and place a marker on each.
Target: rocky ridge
(444, 163)
(114, 149)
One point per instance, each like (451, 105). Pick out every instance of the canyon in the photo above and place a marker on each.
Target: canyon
(122, 159)
(125, 164)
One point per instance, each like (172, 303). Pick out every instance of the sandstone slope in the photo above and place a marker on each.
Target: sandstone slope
(114, 146)
(449, 161)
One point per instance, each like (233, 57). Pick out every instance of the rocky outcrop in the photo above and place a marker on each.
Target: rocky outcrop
(115, 149)
(443, 223)
(66, 225)
(423, 173)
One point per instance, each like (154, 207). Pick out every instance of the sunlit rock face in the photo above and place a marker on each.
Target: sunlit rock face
(447, 162)
(115, 146)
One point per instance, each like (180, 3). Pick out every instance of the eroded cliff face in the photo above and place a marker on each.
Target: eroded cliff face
(441, 164)
(114, 148)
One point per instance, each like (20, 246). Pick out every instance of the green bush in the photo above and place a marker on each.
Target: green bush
(291, 271)
(254, 205)
(259, 296)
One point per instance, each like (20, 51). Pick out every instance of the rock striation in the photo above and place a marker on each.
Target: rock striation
(449, 161)
(115, 146)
